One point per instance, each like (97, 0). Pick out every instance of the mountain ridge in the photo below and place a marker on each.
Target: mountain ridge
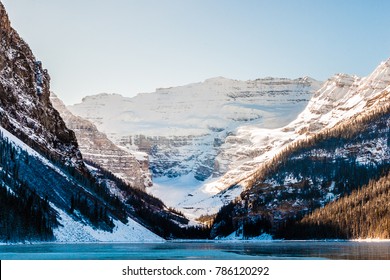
(351, 132)
(24, 99)
(96, 147)
(47, 191)
(182, 128)
(252, 147)
(254, 156)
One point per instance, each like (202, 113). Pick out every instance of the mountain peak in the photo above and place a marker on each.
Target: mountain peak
(308, 79)
(101, 95)
(217, 79)
(384, 66)
(387, 61)
(4, 20)
(380, 78)
(26, 110)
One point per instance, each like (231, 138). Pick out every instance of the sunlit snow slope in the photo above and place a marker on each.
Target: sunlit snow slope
(340, 99)
(207, 140)
(79, 230)
(183, 128)
(47, 191)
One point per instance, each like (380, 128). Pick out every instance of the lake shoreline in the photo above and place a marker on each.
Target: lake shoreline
(368, 240)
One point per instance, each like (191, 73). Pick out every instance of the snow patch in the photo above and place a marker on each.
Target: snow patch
(73, 231)
(234, 236)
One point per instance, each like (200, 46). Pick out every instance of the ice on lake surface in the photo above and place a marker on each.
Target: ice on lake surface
(199, 250)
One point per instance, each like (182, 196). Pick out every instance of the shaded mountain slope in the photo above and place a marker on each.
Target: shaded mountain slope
(47, 191)
(25, 107)
(365, 213)
(96, 147)
(313, 172)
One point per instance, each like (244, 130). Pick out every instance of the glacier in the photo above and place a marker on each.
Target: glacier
(183, 129)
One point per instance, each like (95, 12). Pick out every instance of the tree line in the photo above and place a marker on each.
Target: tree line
(24, 215)
(317, 168)
(365, 213)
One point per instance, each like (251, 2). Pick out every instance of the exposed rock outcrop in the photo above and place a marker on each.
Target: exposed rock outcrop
(96, 147)
(182, 128)
(25, 107)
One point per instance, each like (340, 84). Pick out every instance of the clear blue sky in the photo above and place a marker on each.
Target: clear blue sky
(128, 46)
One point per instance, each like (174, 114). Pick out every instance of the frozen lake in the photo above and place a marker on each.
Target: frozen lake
(271, 250)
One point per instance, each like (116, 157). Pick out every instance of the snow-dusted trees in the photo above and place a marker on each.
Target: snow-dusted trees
(312, 172)
(365, 213)
(24, 215)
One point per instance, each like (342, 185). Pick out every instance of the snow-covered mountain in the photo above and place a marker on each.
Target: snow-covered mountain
(196, 109)
(182, 128)
(96, 147)
(25, 107)
(51, 182)
(47, 191)
(341, 99)
(267, 151)
(346, 150)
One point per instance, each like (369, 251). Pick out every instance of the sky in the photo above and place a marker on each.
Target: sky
(129, 46)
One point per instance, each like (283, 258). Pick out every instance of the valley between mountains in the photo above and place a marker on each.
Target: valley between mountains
(236, 155)
(217, 159)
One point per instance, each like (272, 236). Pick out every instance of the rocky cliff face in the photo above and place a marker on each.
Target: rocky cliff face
(25, 107)
(96, 147)
(338, 144)
(46, 191)
(342, 99)
(182, 128)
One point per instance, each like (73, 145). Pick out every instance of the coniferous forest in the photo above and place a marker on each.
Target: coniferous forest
(292, 210)
(24, 180)
(365, 213)
(311, 173)
(24, 215)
